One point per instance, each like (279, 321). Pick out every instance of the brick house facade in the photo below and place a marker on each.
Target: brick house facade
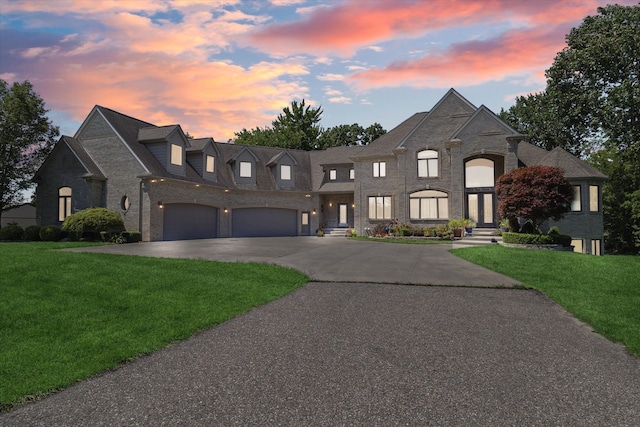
(432, 167)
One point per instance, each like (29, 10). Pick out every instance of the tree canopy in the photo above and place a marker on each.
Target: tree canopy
(591, 108)
(297, 127)
(27, 136)
(536, 193)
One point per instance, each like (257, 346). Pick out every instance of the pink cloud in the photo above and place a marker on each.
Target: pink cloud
(515, 53)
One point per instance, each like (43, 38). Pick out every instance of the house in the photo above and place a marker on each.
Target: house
(434, 166)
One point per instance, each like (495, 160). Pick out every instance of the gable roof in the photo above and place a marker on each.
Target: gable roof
(156, 133)
(92, 169)
(274, 160)
(501, 126)
(385, 145)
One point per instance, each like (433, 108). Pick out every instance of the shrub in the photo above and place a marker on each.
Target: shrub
(136, 236)
(527, 238)
(92, 220)
(11, 232)
(444, 232)
(50, 233)
(32, 233)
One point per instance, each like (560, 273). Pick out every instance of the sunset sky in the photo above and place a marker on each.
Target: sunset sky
(218, 66)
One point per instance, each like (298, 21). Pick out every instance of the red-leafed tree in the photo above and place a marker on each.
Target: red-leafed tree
(535, 193)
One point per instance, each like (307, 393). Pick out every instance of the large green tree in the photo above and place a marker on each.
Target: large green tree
(27, 136)
(298, 127)
(591, 107)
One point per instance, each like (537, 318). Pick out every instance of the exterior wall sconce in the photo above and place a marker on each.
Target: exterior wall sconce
(160, 205)
(226, 210)
(307, 195)
(154, 180)
(226, 190)
(330, 204)
(353, 205)
(313, 212)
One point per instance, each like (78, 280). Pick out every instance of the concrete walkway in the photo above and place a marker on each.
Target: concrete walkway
(364, 354)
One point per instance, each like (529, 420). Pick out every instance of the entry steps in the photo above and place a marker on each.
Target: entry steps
(478, 237)
(335, 232)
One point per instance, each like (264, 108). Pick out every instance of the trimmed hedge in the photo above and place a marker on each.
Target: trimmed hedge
(50, 233)
(536, 239)
(32, 233)
(88, 223)
(11, 232)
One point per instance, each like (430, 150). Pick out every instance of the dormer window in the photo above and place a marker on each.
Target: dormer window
(176, 155)
(285, 172)
(352, 174)
(210, 165)
(333, 174)
(245, 169)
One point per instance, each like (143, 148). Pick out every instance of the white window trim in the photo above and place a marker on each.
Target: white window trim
(243, 172)
(333, 174)
(285, 176)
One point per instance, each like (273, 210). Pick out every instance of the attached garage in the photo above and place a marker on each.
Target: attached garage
(185, 221)
(264, 222)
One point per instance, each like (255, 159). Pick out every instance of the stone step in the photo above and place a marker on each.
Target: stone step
(335, 232)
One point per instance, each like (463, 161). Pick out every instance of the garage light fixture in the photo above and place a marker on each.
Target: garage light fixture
(160, 205)
(226, 210)
(314, 212)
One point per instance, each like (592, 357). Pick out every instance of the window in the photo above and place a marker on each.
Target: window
(64, 203)
(427, 164)
(210, 164)
(352, 173)
(596, 247)
(245, 169)
(176, 155)
(379, 169)
(429, 204)
(125, 203)
(333, 174)
(577, 245)
(380, 207)
(594, 199)
(479, 173)
(576, 204)
(285, 172)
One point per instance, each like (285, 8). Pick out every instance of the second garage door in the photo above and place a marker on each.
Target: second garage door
(264, 222)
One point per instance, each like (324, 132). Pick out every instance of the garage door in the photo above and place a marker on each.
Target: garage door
(264, 222)
(184, 221)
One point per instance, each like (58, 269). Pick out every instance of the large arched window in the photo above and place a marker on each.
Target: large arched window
(64, 203)
(429, 204)
(479, 173)
(427, 164)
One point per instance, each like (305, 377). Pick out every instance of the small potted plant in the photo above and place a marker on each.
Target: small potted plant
(319, 232)
(457, 225)
(469, 226)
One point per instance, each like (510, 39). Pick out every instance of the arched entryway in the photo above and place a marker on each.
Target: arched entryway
(480, 174)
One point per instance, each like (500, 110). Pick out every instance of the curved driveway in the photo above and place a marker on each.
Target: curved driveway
(364, 354)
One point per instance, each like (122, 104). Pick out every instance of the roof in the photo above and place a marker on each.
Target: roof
(385, 145)
(91, 168)
(573, 166)
(156, 133)
(331, 156)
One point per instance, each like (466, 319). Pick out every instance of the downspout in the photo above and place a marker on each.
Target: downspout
(140, 207)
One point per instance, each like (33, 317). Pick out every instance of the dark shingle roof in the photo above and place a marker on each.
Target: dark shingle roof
(93, 170)
(573, 166)
(155, 133)
(385, 145)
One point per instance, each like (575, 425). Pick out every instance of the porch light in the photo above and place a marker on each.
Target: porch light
(160, 205)
(330, 204)
(226, 210)
(353, 205)
(307, 195)
(313, 212)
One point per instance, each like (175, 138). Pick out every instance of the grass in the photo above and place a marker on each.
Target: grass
(601, 291)
(67, 316)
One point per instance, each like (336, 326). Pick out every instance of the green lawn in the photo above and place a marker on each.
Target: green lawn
(601, 291)
(67, 316)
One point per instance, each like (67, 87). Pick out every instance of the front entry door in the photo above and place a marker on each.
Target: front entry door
(480, 209)
(304, 222)
(343, 221)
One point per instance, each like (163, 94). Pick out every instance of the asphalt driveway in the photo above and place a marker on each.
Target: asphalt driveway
(364, 354)
(331, 259)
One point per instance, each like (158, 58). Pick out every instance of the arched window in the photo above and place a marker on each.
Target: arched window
(429, 204)
(427, 164)
(64, 203)
(479, 173)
